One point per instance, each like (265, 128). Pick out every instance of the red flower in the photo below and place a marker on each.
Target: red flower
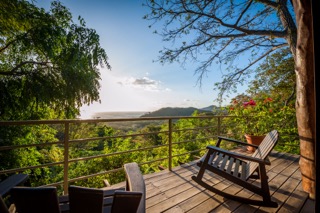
(267, 100)
(252, 102)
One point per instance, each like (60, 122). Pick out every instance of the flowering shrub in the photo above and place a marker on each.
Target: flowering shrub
(254, 117)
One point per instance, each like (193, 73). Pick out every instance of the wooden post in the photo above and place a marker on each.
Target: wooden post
(219, 126)
(170, 144)
(66, 158)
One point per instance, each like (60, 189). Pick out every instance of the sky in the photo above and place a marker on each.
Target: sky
(136, 82)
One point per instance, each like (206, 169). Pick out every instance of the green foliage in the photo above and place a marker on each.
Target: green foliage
(46, 61)
(24, 135)
(276, 77)
(273, 91)
(262, 117)
(90, 140)
(255, 117)
(30, 156)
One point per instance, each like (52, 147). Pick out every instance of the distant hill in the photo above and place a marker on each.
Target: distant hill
(215, 110)
(177, 111)
(209, 108)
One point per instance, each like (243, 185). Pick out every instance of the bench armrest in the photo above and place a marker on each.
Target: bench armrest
(10, 182)
(237, 141)
(238, 155)
(136, 183)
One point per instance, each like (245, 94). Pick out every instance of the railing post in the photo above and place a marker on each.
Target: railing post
(170, 144)
(219, 126)
(66, 158)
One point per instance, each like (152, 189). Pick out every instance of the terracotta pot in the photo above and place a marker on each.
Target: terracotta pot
(254, 139)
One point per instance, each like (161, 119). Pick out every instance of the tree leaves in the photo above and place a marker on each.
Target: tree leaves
(47, 60)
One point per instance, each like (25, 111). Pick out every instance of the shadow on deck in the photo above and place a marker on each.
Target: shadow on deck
(175, 191)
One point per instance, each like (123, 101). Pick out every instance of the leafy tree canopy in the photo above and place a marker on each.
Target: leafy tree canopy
(47, 61)
(276, 78)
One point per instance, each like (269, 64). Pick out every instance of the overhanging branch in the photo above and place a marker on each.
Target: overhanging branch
(15, 69)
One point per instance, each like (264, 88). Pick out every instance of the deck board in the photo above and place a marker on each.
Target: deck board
(176, 192)
(295, 201)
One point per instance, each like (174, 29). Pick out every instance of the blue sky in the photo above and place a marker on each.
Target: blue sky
(136, 83)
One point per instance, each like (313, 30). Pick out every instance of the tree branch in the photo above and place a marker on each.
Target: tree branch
(279, 34)
(240, 72)
(7, 45)
(243, 12)
(291, 96)
(207, 63)
(15, 69)
(269, 3)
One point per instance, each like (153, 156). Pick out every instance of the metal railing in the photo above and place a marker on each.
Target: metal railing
(208, 132)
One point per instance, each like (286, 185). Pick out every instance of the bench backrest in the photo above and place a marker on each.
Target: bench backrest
(35, 199)
(136, 183)
(263, 151)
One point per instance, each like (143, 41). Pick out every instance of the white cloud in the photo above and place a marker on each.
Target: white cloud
(122, 93)
(191, 100)
(143, 83)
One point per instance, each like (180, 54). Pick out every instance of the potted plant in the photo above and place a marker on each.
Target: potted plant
(254, 118)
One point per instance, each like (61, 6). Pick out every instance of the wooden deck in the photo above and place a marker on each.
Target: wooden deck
(176, 192)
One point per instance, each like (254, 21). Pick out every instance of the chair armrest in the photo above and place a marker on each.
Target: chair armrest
(135, 183)
(110, 192)
(268, 161)
(238, 155)
(12, 181)
(237, 141)
(134, 179)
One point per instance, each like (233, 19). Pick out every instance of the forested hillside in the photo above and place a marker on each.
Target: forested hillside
(180, 111)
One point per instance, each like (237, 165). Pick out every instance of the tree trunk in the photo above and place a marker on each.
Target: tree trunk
(305, 103)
